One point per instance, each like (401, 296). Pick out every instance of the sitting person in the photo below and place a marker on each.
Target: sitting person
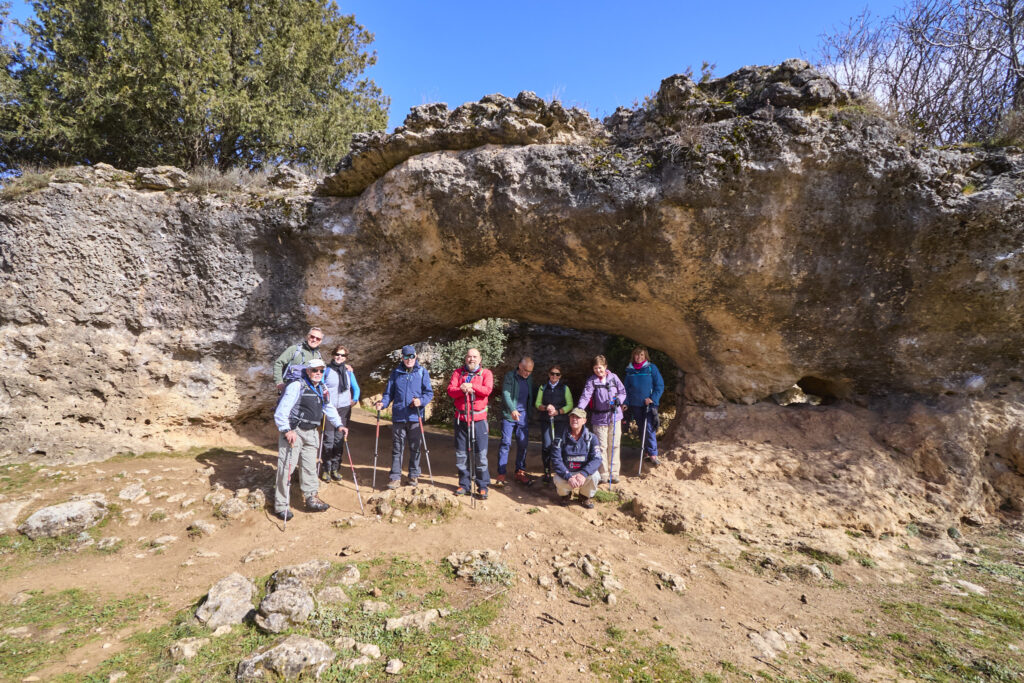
(576, 460)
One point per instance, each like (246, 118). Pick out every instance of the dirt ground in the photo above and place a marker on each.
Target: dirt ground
(738, 594)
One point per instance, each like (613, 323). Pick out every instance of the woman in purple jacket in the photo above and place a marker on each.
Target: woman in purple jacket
(605, 394)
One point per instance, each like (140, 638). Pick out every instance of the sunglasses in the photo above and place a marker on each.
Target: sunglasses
(316, 371)
(313, 337)
(555, 374)
(411, 355)
(341, 355)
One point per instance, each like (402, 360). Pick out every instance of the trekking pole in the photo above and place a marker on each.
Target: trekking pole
(643, 439)
(426, 451)
(611, 445)
(471, 452)
(376, 441)
(355, 481)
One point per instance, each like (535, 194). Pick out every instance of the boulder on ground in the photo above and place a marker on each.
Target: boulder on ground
(288, 659)
(228, 602)
(306, 576)
(186, 648)
(67, 518)
(420, 620)
(283, 609)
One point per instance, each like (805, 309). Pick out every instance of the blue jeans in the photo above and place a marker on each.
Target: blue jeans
(483, 476)
(645, 419)
(508, 431)
(400, 433)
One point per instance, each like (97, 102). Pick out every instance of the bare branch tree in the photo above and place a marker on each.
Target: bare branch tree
(948, 69)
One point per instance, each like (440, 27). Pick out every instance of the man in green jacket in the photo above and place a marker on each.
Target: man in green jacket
(516, 390)
(297, 354)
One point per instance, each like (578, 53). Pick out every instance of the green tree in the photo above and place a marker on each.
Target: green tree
(189, 82)
(7, 83)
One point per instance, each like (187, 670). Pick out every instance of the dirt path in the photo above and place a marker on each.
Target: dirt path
(540, 634)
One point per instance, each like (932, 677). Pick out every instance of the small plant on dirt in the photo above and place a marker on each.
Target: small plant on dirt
(158, 516)
(821, 556)
(533, 511)
(864, 560)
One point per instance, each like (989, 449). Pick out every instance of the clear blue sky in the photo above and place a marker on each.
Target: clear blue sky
(597, 55)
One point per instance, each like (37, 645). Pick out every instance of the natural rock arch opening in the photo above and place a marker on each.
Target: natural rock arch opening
(510, 340)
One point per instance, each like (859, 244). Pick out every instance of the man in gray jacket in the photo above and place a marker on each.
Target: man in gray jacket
(299, 414)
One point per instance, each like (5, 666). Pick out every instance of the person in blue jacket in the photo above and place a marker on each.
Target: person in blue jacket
(644, 387)
(409, 389)
(576, 461)
(343, 393)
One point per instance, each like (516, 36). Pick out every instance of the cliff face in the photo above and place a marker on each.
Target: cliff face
(761, 229)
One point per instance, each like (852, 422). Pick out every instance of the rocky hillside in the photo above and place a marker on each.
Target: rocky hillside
(762, 229)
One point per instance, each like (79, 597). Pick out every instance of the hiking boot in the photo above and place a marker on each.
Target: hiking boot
(325, 476)
(615, 480)
(482, 495)
(653, 460)
(522, 477)
(314, 504)
(284, 515)
(394, 484)
(461, 491)
(566, 499)
(547, 478)
(587, 503)
(499, 482)
(336, 475)
(414, 481)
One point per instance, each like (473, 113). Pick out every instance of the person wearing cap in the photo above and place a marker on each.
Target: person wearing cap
(516, 390)
(576, 461)
(469, 389)
(408, 390)
(298, 354)
(608, 394)
(298, 416)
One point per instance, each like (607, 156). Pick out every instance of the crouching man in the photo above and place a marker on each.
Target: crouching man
(576, 460)
(298, 416)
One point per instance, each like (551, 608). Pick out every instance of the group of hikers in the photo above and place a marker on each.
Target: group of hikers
(315, 392)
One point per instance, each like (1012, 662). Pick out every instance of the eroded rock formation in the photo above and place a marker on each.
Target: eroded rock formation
(761, 229)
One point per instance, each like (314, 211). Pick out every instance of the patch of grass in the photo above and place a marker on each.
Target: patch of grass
(30, 181)
(16, 477)
(821, 555)
(533, 511)
(643, 663)
(453, 648)
(991, 610)
(862, 559)
(913, 530)
(56, 623)
(603, 496)
(158, 515)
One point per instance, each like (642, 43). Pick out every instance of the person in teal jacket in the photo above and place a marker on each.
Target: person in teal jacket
(644, 387)
(516, 390)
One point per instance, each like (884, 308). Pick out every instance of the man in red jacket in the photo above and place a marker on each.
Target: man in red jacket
(472, 385)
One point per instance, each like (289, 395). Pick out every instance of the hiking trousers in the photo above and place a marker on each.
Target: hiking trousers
(301, 456)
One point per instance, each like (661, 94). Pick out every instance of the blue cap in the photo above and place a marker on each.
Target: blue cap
(408, 349)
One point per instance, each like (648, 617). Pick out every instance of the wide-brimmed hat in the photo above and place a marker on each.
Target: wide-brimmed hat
(315, 363)
(579, 412)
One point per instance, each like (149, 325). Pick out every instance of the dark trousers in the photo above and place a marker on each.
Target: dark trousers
(548, 439)
(483, 475)
(334, 442)
(402, 433)
(645, 419)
